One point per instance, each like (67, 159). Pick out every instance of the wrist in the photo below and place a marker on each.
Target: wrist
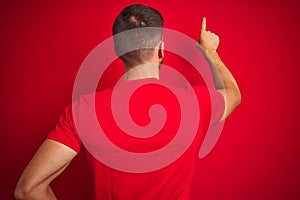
(207, 50)
(211, 54)
(210, 51)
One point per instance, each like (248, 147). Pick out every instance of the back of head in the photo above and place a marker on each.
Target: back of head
(137, 18)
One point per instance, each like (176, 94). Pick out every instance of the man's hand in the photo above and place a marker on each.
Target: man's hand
(208, 40)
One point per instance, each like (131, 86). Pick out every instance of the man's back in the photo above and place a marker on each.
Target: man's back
(170, 182)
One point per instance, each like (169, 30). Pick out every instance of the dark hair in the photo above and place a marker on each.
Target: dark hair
(134, 17)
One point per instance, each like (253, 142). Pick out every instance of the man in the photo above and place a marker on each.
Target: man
(170, 182)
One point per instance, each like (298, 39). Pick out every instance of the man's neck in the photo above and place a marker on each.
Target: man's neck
(141, 72)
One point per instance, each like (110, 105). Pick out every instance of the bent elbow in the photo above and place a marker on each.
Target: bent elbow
(23, 192)
(20, 193)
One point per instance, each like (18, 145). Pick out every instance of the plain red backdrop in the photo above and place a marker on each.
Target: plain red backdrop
(257, 157)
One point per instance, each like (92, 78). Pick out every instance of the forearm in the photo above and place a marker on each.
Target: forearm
(217, 78)
(43, 194)
(223, 78)
(50, 194)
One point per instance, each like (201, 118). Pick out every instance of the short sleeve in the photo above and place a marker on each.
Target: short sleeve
(211, 104)
(65, 131)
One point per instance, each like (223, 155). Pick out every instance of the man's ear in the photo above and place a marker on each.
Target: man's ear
(161, 49)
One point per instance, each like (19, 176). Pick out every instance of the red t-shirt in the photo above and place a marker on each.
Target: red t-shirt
(170, 182)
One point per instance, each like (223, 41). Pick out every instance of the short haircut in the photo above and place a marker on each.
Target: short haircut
(134, 17)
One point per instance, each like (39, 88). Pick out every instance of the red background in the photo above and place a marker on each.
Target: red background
(43, 43)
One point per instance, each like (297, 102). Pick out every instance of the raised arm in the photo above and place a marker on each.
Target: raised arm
(51, 159)
(224, 81)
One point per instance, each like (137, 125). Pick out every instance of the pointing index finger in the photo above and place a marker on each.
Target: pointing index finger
(204, 23)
